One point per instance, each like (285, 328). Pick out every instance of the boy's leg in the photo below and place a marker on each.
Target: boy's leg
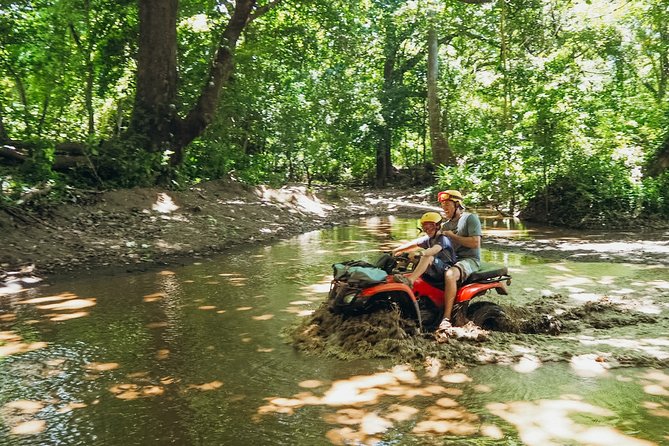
(423, 264)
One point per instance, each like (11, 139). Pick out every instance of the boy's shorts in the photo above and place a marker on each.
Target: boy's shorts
(437, 269)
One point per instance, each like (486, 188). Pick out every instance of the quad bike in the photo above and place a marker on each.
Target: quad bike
(360, 288)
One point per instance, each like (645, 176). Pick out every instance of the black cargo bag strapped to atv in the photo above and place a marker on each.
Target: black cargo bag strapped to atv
(349, 278)
(359, 274)
(351, 289)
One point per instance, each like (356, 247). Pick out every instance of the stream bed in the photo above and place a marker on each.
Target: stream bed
(205, 354)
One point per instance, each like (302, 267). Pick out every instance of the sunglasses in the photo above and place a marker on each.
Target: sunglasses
(444, 196)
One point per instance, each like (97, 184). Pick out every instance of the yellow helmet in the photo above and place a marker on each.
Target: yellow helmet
(433, 217)
(453, 195)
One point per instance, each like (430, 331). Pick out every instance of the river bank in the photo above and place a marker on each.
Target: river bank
(136, 229)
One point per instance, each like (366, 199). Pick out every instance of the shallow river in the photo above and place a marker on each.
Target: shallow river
(201, 355)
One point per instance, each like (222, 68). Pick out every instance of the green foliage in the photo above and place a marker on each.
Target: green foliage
(559, 121)
(592, 192)
(655, 196)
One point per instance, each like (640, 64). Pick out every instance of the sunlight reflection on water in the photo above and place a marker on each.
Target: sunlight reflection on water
(199, 354)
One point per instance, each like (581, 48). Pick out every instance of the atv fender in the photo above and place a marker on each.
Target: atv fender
(475, 289)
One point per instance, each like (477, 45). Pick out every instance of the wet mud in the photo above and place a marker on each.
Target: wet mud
(546, 330)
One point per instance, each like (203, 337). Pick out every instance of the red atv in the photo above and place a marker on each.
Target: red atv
(359, 287)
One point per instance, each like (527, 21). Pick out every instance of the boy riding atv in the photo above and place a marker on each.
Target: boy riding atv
(437, 254)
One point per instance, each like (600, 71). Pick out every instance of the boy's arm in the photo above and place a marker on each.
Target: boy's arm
(408, 246)
(433, 251)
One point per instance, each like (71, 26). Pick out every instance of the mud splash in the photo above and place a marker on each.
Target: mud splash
(546, 330)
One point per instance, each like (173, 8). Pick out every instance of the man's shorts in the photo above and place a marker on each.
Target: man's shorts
(467, 267)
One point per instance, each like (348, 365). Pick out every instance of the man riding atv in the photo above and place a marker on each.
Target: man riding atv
(437, 255)
(463, 229)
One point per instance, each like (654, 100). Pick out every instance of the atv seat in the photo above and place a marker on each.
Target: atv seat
(486, 274)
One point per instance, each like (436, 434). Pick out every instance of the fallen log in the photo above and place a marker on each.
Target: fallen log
(70, 155)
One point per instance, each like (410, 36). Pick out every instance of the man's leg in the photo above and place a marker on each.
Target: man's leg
(451, 287)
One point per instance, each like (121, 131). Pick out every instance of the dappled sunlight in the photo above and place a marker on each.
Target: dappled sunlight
(569, 281)
(75, 304)
(166, 273)
(135, 391)
(69, 407)
(263, 317)
(101, 367)
(164, 204)
(585, 297)
(11, 343)
(237, 281)
(18, 416)
(301, 302)
(456, 378)
(311, 384)
(661, 284)
(656, 384)
(654, 246)
(10, 288)
(590, 364)
(162, 354)
(45, 299)
(300, 312)
(31, 427)
(8, 317)
(527, 364)
(549, 422)
(158, 324)
(28, 407)
(296, 308)
(154, 297)
(213, 385)
(639, 304)
(297, 197)
(322, 287)
(359, 425)
(654, 347)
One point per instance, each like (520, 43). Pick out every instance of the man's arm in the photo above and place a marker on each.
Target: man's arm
(473, 241)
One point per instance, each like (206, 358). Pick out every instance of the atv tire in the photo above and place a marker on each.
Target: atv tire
(488, 316)
(430, 315)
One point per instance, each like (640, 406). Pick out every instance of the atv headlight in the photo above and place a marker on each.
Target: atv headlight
(348, 298)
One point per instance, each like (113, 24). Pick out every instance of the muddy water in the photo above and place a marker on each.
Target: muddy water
(207, 354)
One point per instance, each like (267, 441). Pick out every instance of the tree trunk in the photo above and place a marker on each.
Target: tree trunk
(155, 119)
(504, 61)
(660, 162)
(219, 75)
(441, 152)
(383, 161)
(154, 111)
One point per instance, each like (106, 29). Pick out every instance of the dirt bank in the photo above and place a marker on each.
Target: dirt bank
(131, 230)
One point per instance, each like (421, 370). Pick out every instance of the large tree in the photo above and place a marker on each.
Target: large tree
(157, 122)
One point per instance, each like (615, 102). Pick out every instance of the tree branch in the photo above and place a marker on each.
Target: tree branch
(263, 10)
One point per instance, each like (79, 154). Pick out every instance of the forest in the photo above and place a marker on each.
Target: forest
(554, 110)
